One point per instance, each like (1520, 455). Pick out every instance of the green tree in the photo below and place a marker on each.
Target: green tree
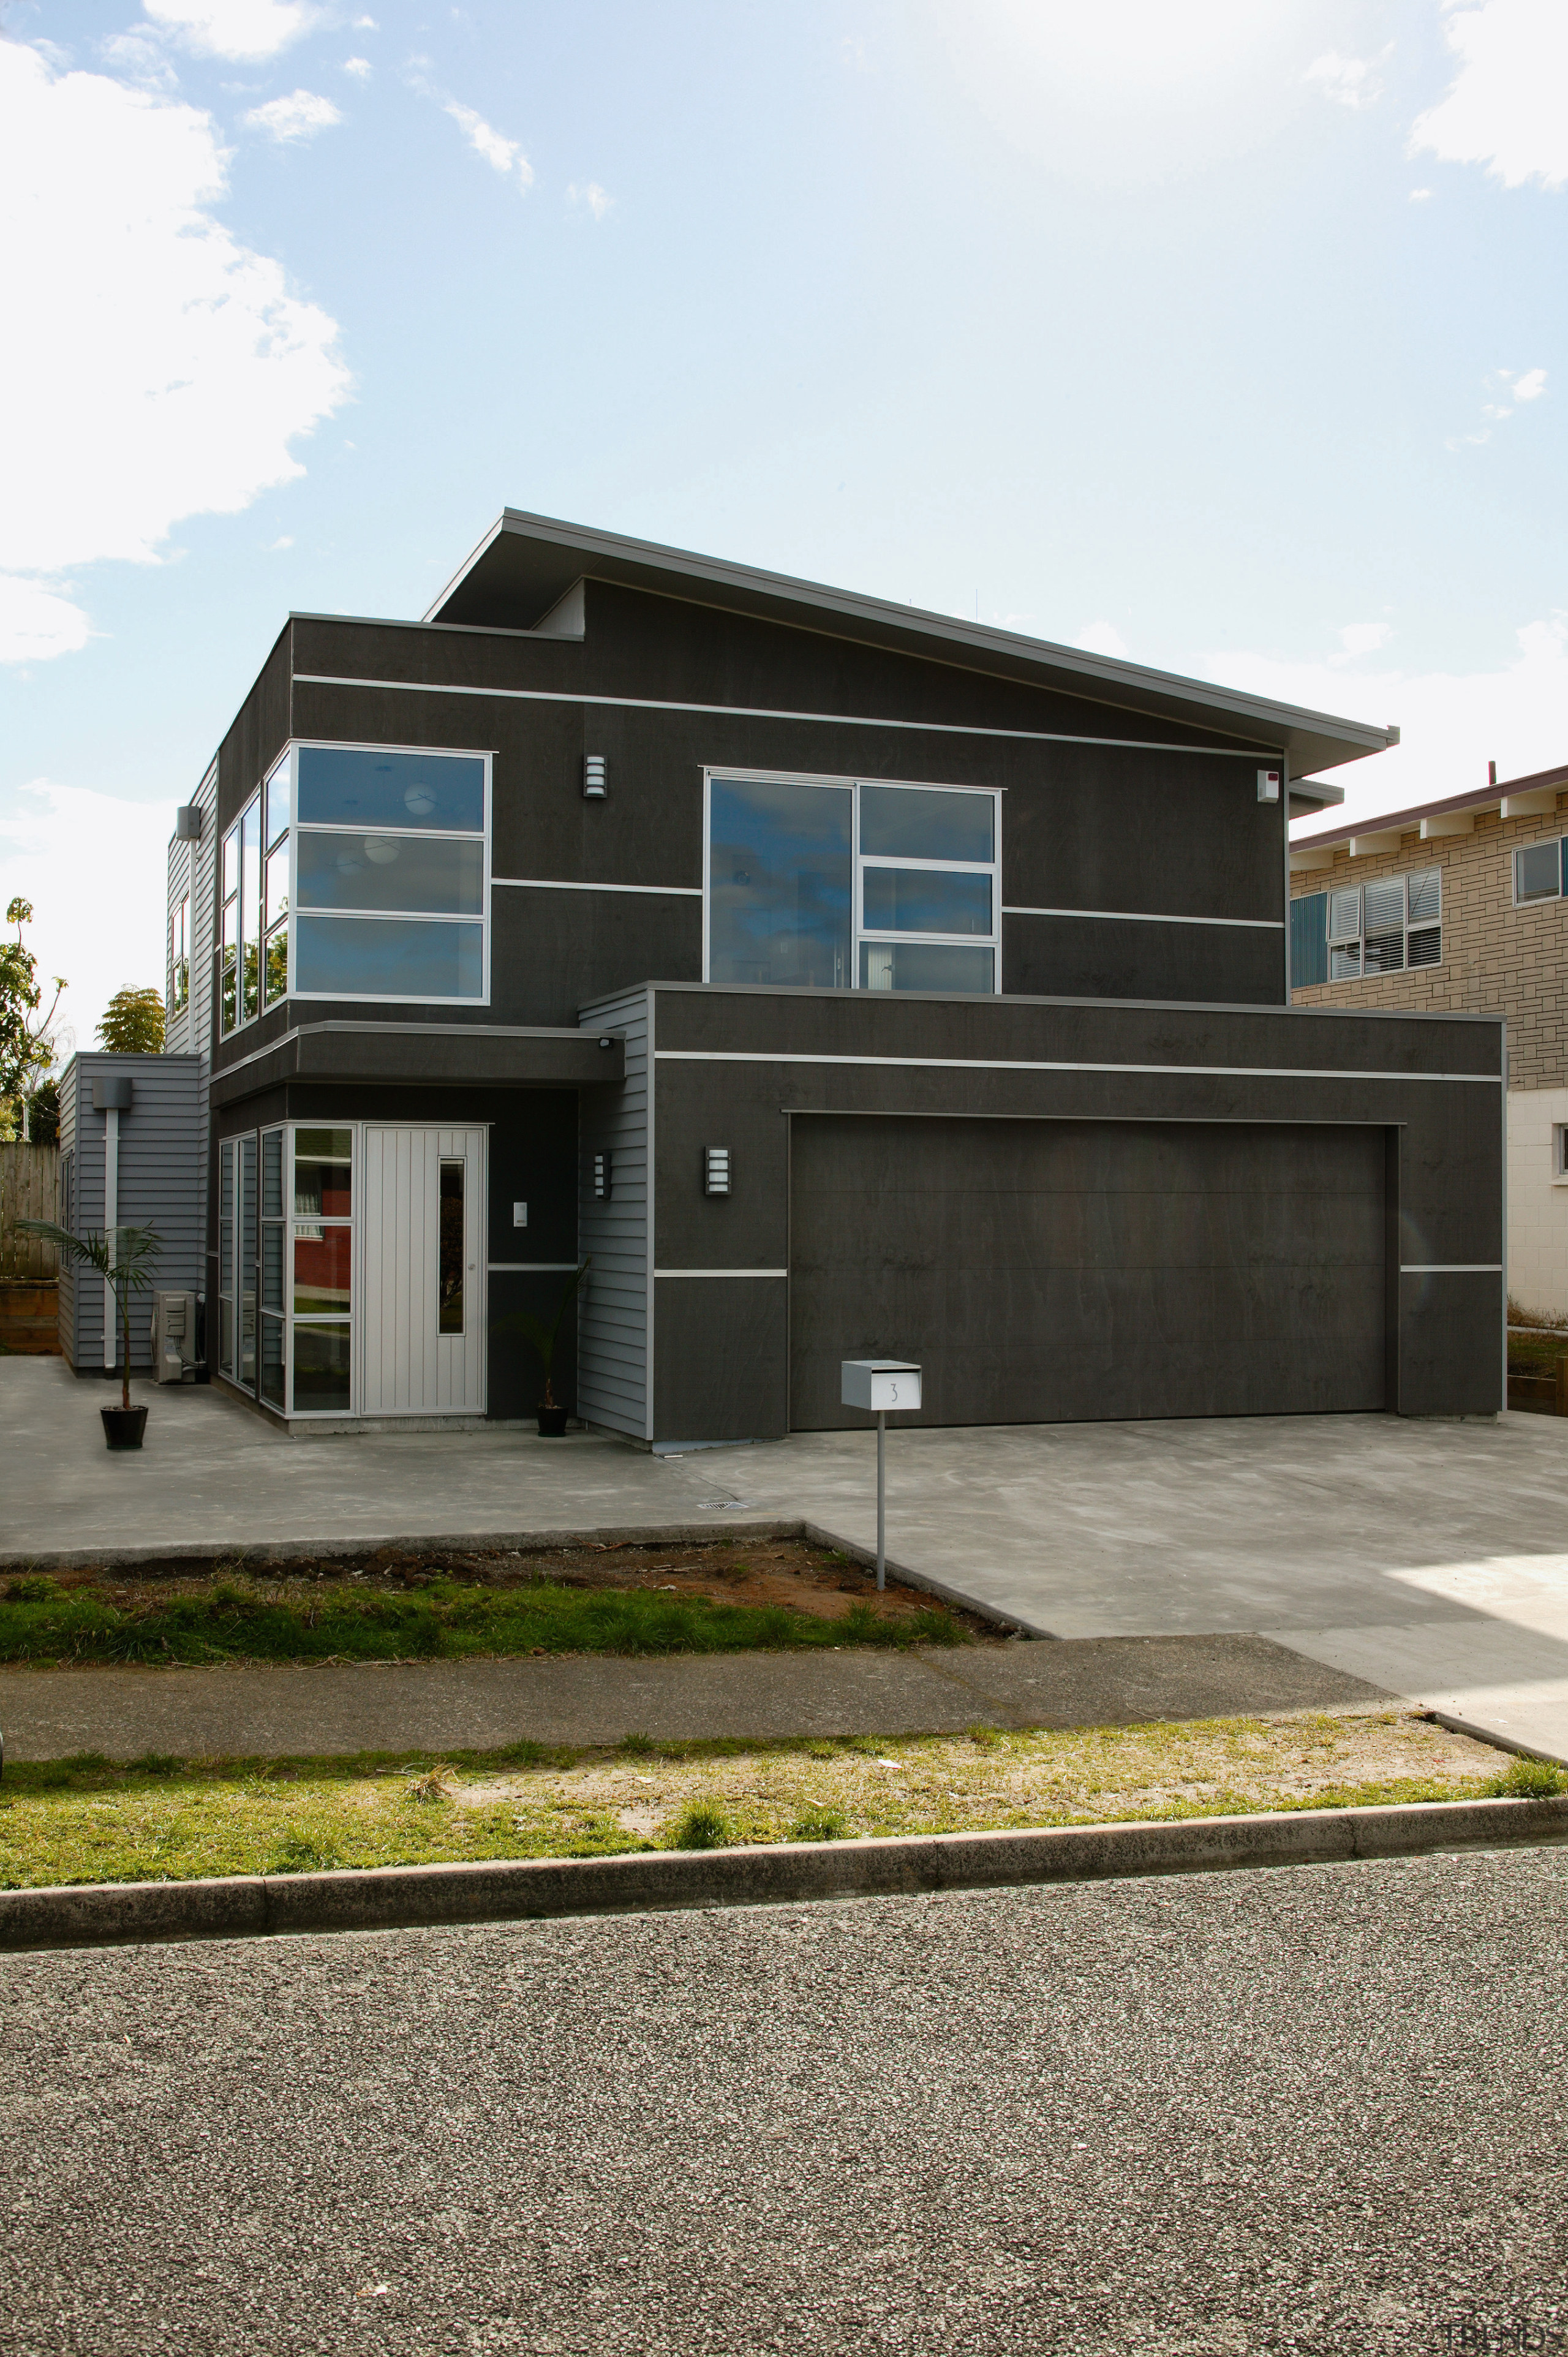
(43, 1113)
(132, 1023)
(27, 1044)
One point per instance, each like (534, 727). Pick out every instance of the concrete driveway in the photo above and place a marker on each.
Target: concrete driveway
(1429, 1558)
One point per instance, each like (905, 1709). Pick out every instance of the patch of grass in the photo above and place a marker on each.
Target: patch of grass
(701, 1826)
(641, 1747)
(89, 1820)
(158, 1763)
(236, 1620)
(1529, 1780)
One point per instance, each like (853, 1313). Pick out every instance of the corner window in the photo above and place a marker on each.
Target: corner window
(391, 872)
(842, 883)
(321, 1271)
(1385, 927)
(1539, 871)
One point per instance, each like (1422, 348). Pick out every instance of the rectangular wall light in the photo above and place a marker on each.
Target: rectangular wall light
(595, 785)
(715, 1170)
(601, 1177)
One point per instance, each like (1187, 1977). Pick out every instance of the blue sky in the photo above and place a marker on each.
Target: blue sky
(1227, 336)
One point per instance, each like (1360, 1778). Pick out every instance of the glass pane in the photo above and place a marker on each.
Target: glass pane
(381, 871)
(1309, 939)
(924, 900)
(271, 1264)
(276, 975)
(277, 884)
(231, 863)
(323, 1266)
(927, 824)
(1385, 952)
(1345, 915)
(1425, 895)
(226, 1336)
(272, 1362)
(321, 1368)
(245, 1280)
(323, 1167)
(250, 981)
(924, 965)
(780, 879)
(1537, 876)
(280, 793)
(1385, 907)
(373, 957)
(1426, 947)
(1344, 965)
(250, 871)
(342, 785)
(271, 1174)
(225, 1182)
(226, 995)
(451, 1293)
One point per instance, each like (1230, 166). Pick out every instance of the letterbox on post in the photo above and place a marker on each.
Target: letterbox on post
(887, 1387)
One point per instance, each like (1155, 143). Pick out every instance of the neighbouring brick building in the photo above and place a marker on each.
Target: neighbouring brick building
(1459, 907)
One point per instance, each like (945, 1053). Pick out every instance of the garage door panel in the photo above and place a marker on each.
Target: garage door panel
(1054, 1271)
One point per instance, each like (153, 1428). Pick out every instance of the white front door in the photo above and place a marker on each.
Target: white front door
(423, 1272)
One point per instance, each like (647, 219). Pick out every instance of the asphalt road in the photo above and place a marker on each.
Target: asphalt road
(1319, 2109)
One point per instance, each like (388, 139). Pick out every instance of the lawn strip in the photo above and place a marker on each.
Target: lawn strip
(88, 1820)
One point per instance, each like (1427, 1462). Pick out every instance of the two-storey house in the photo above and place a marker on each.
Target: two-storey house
(838, 979)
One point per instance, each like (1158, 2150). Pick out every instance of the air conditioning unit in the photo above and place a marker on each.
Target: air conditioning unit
(174, 1337)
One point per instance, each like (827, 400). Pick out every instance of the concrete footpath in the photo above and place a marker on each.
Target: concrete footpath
(479, 1706)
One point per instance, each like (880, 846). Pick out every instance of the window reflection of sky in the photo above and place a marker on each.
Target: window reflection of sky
(780, 875)
(926, 822)
(345, 785)
(925, 901)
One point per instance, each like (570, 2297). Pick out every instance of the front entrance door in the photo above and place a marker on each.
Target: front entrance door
(424, 1324)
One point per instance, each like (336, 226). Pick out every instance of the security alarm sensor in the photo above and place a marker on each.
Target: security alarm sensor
(1268, 785)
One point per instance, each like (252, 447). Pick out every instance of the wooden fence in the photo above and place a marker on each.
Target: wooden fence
(29, 1189)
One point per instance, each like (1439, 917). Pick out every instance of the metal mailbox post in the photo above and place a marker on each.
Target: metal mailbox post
(883, 1385)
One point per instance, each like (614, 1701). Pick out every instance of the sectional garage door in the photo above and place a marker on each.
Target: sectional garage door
(1046, 1271)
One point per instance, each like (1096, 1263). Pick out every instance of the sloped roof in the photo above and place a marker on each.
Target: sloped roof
(526, 564)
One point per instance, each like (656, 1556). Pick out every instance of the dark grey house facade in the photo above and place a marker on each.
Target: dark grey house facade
(844, 980)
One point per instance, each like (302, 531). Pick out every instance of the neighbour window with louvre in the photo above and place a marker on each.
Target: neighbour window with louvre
(1385, 927)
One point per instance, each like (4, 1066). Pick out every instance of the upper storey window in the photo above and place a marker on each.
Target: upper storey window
(360, 871)
(837, 884)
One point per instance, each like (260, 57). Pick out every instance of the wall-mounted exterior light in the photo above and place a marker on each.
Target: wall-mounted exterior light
(602, 1177)
(715, 1170)
(596, 786)
(187, 823)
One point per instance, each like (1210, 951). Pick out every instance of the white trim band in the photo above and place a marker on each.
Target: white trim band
(1145, 917)
(567, 884)
(1008, 1064)
(764, 712)
(1451, 1268)
(721, 1272)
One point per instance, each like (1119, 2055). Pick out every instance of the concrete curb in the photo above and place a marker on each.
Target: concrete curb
(393, 1898)
(13, 1559)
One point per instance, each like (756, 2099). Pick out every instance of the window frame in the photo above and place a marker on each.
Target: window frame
(323, 1317)
(1539, 843)
(369, 916)
(877, 937)
(179, 955)
(1342, 942)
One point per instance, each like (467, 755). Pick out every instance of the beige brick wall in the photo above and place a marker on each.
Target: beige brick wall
(1497, 959)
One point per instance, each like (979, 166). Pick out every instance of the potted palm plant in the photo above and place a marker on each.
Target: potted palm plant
(551, 1416)
(125, 1258)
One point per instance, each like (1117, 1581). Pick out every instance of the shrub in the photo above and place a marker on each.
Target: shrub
(702, 1826)
(820, 1824)
(1529, 1780)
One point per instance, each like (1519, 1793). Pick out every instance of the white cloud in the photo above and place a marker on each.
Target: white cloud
(1506, 389)
(174, 380)
(1362, 638)
(1452, 724)
(501, 154)
(1506, 109)
(94, 868)
(1350, 81)
(357, 67)
(300, 115)
(246, 29)
(286, 540)
(589, 193)
(1531, 385)
(36, 623)
(1420, 195)
(1102, 638)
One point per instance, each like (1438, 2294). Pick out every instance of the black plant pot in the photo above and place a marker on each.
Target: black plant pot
(552, 1423)
(124, 1426)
